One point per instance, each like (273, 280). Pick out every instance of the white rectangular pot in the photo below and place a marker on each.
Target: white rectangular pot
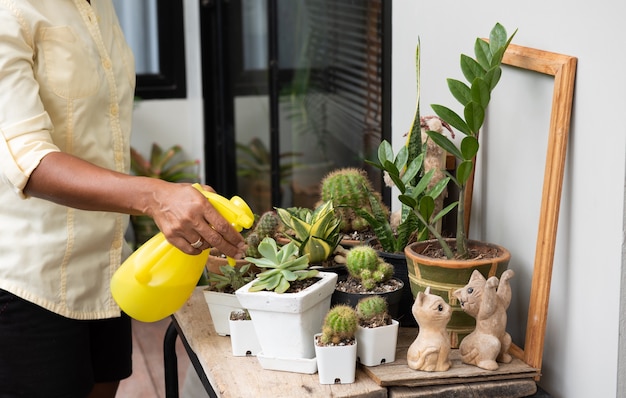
(286, 323)
(377, 345)
(243, 338)
(220, 306)
(336, 364)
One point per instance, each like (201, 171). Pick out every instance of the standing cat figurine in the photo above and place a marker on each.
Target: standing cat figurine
(431, 349)
(486, 300)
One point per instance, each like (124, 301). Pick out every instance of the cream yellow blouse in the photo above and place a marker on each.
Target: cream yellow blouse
(66, 84)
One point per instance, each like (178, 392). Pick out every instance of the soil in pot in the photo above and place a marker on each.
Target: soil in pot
(349, 291)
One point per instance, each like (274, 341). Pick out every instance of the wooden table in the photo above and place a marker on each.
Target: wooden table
(227, 376)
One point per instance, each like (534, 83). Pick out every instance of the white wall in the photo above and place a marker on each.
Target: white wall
(581, 348)
(176, 121)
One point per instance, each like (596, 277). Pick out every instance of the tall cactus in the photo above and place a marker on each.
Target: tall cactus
(364, 264)
(348, 188)
(339, 324)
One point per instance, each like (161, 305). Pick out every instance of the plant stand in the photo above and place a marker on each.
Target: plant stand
(220, 306)
(377, 346)
(336, 364)
(286, 323)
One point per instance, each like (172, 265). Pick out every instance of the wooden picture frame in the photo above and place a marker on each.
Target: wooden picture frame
(563, 68)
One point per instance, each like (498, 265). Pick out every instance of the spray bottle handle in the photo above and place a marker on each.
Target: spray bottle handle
(236, 211)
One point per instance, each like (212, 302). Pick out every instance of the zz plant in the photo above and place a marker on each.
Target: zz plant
(482, 74)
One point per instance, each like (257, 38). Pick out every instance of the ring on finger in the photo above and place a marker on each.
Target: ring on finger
(197, 244)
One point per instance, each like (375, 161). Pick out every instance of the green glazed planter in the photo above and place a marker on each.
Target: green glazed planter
(445, 276)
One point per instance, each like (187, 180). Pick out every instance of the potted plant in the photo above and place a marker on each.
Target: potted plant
(169, 165)
(315, 232)
(336, 346)
(243, 338)
(429, 260)
(267, 224)
(377, 332)
(287, 303)
(220, 297)
(368, 274)
(350, 189)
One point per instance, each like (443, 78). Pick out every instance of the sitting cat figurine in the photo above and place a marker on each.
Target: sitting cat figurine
(430, 350)
(487, 301)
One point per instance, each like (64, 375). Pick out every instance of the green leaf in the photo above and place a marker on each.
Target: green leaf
(497, 38)
(412, 170)
(464, 171)
(469, 147)
(408, 200)
(385, 152)
(443, 142)
(480, 92)
(483, 53)
(470, 68)
(460, 91)
(401, 158)
(427, 207)
(282, 286)
(444, 211)
(492, 77)
(289, 275)
(475, 116)
(438, 188)
(451, 118)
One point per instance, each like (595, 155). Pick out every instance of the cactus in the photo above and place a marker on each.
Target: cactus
(267, 225)
(372, 311)
(364, 264)
(340, 324)
(283, 265)
(349, 189)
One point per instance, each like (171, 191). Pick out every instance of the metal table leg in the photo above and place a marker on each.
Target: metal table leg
(171, 363)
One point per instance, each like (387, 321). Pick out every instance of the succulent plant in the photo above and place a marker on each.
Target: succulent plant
(372, 310)
(283, 265)
(231, 279)
(349, 189)
(316, 231)
(339, 324)
(364, 264)
(268, 224)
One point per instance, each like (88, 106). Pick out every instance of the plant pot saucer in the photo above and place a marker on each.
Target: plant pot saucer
(295, 365)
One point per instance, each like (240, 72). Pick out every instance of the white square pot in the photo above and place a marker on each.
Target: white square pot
(243, 338)
(220, 306)
(377, 345)
(286, 323)
(336, 364)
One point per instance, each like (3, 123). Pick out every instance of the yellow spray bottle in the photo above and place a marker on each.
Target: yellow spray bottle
(157, 279)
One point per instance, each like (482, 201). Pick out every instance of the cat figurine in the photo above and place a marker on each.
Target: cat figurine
(487, 301)
(431, 349)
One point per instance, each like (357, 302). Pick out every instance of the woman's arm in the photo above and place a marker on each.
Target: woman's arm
(182, 213)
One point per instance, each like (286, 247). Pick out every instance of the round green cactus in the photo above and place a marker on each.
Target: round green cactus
(267, 225)
(363, 263)
(350, 188)
(371, 307)
(340, 323)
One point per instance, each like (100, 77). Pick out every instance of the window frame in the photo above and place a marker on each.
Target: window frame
(170, 82)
